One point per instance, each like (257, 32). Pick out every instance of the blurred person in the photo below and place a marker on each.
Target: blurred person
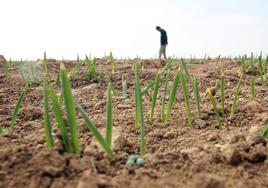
(163, 42)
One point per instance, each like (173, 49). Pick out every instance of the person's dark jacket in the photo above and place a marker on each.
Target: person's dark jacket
(163, 39)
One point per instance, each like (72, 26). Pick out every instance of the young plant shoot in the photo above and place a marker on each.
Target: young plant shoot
(252, 67)
(59, 118)
(197, 96)
(124, 87)
(222, 91)
(238, 89)
(17, 108)
(139, 110)
(172, 96)
(214, 105)
(90, 125)
(162, 116)
(260, 69)
(47, 122)
(112, 61)
(186, 97)
(69, 105)
(244, 68)
(109, 116)
(252, 90)
(156, 85)
(185, 67)
(6, 70)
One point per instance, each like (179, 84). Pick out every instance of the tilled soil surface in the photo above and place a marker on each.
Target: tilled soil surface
(178, 154)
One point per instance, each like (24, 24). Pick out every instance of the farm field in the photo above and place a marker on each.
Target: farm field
(209, 151)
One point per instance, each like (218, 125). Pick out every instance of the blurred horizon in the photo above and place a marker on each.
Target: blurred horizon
(65, 28)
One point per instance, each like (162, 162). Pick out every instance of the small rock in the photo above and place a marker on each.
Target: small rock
(140, 161)
(200, 123)
(254, 135)
(119, 143)
(232, 155)
(89, 88)
(130, 162)
(92, 149)
(132, 157)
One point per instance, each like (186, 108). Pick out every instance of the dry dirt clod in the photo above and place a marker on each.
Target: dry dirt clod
(119, 143)
(236, 138)
(231, 154)
(253, 107)
(89, 88)
(264, 117)
(254, 135)
(256, 154)
(92, 149)
(208, 181)
(199, 123)
(88, 179)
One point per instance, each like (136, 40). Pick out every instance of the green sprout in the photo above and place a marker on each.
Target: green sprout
(17, 107)
(197, 96)
(47, 123)
(252, 90)
(92, 72)
(264, 133)
(78, 62)
(112, 61)
(243, 64)
(139, 110)
(60, 120)
(69, 105)
(238, 89)
(260, 68)
(265, 65)
(45, 63)
(6, 70)
(145, 90)
(212, 100)
(124, 87)
(162, 116)
(218, 59)
(109, 115)
(156, 85)
(252, 67)
(90, 125)
(222, 83)
(186, 96)
(185, 67)
(172, 96)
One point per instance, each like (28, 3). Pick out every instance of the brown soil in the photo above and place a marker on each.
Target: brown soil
(178, 155)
